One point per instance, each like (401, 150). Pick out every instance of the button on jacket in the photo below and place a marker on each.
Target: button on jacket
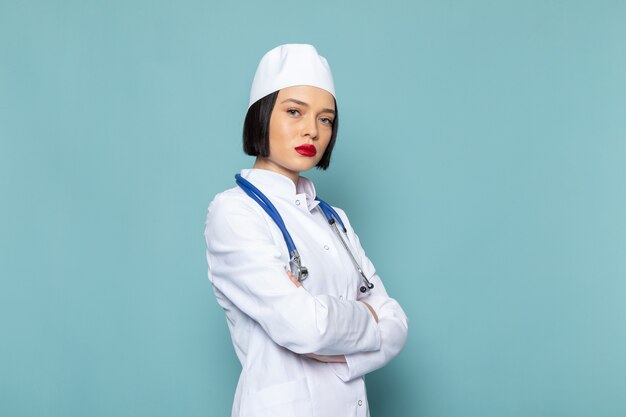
(273, 323)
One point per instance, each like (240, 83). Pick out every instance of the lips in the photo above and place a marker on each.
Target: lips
(306, 150)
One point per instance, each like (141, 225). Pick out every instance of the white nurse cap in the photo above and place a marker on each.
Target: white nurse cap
(290, 65)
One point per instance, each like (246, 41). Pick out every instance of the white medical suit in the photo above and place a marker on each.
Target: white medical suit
(273, 323)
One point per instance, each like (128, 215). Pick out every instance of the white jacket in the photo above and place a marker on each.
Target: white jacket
(273, 323)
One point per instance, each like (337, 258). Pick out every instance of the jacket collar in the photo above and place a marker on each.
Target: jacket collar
(275, 185)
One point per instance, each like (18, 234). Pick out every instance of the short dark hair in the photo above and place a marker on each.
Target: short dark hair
(256, 130)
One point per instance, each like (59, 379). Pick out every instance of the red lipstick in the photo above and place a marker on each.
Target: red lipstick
(306, 150)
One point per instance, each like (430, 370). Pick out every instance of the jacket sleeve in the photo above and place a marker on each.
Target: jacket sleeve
(392, 321)
(248, 268)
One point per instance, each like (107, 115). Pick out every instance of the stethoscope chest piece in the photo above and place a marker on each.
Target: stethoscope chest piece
(299, 271)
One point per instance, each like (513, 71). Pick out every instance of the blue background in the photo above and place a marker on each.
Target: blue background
(481, 158)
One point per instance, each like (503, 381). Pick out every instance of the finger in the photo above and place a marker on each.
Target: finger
(295, 281)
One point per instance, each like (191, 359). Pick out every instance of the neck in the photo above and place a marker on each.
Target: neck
(263, 163)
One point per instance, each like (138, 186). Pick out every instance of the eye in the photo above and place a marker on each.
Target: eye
(327, 121)
(293, 112)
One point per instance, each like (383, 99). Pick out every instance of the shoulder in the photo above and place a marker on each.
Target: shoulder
(231, 197)
(232, 216)
(232, 203)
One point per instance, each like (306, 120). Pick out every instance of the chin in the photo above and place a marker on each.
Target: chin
(303, 167)
(308, 167)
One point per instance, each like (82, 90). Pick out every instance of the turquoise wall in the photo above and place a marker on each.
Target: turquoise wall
(481, 157)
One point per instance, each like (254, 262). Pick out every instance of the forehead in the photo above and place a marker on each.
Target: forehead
(313, 96)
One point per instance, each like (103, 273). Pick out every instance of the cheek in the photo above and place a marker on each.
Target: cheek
(280, 137)
(327, 136)
(321, 150)
(279, 131)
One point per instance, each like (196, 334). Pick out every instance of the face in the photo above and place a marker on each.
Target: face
(301, 126)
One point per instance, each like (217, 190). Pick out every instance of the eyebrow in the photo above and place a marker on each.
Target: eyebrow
(302, 103)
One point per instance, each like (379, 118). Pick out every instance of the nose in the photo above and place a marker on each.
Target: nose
(309, 127)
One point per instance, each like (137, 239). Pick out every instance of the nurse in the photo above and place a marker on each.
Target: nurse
(305, 345)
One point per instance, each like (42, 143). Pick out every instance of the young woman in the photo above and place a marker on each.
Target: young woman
(307, 313)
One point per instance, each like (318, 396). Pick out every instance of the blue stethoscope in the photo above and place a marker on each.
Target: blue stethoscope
(298, 270)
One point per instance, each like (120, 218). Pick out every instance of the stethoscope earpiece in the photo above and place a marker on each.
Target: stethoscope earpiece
(333, 218)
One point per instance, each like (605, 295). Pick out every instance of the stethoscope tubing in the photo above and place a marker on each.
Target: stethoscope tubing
(269, 208)
(331, 216)
(330, 213)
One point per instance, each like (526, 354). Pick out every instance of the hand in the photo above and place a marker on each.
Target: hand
(295, 281)
(327, 358)
(371, 311)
